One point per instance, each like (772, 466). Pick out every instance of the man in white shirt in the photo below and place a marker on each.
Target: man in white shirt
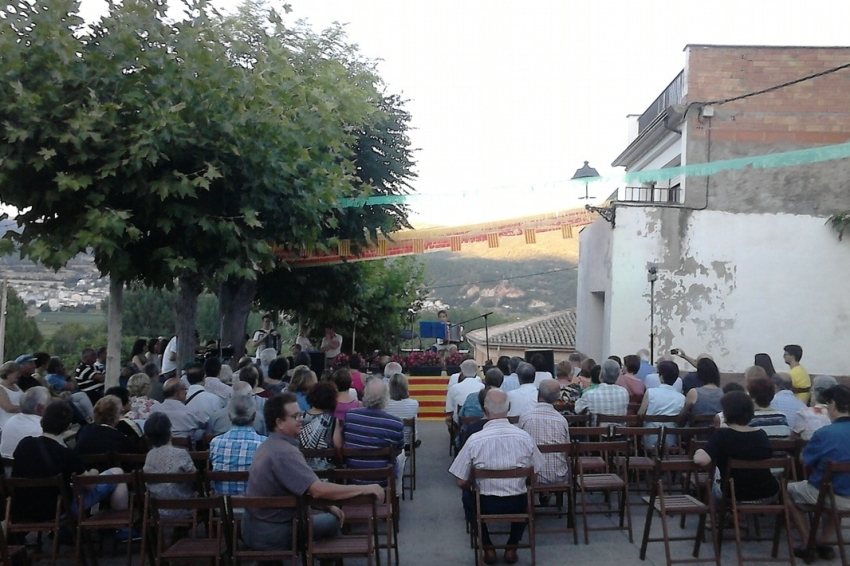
(27, 422)
(457, 394)
(198, 400)
(169, 358)
(525, 397)
(511, 381)
(331, 345)
(184, 422)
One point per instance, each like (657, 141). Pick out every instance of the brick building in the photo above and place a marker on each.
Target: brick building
(744, 260)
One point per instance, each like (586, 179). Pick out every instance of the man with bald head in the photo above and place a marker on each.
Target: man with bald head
(498, 446)
(184, 422)
(547, 426)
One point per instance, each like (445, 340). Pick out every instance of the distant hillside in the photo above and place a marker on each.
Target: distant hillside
(488, 278)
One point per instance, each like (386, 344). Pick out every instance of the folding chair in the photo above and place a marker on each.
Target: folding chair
(617, 420)
(453, 432)
(209, 512)
(410, 462)
(201, 459)
(790, 447)
(211, 478)
(152, 529)
(104, 518)
(130, 462)
(386, 512)
(241, 551)
(590, 434)
(482, 520)
(100, 462)
(641, 457)
(344, 546)
(560, 489)
(13, 554)
(182, 442)
(18, 491)
(333, 455)
(609, 480)
(578, 420)
(779, 508)
(827, 490)
(670, 505)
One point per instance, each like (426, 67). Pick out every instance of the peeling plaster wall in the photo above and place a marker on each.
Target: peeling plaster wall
(731, 285)
(594, 289)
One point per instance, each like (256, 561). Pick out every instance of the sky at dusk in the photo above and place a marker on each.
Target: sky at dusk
(510, 98)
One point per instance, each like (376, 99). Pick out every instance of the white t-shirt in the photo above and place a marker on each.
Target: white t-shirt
(305, 343)
(168, 364)
(334, 352)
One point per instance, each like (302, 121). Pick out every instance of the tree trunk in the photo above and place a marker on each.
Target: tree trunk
(235, 297)
(113, 333)
(185, 309)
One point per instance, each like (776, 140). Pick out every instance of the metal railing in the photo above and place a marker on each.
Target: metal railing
(671, 95)
(672, 195)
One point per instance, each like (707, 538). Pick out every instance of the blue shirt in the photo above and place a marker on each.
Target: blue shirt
(829, 443)
(234, 451)
(645, 369)
(56, 381)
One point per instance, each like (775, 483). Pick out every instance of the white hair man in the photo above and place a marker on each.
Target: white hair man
(468, 383)
(525, 397)
(391, 369)
(498, 446)
(234, 450)
(371, 427)
(547, 426)
(607, 399)
(26, 423)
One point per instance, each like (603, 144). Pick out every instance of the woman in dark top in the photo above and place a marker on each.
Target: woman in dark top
(103, 437)
(740, 442)
(705, 400)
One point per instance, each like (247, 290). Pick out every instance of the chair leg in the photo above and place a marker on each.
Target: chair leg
(699, 537)
(838, 536)
(737, 524)
(584, 514)
(666, 536)
(647, 525)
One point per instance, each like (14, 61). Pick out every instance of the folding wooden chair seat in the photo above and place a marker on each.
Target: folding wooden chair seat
(564, 493)
(779, 508)
(617, 420)
(610, 480)
(20, 522)
(408, 478)
(527, 474)
(240, 550)
(384, 513)
(104, 517)
(665, 505)
(787, 447)
(826, 506)
(344, 546)
(641, 457)
(208, 512)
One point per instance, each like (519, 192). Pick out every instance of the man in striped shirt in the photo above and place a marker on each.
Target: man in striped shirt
(371, 427)
(498, 446)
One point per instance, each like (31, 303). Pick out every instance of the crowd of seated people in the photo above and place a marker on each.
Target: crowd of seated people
(745, 416)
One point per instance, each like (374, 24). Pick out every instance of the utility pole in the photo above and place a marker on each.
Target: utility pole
(3, 320)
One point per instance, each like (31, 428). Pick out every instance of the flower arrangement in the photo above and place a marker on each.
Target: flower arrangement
(454, 358)
(340, 361)
(399, 360)
(427, 358)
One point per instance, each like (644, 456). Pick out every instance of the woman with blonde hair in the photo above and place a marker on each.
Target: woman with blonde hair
(10, 393)
(303, 380)
(103, 436)
(139, 385)
(400, 403)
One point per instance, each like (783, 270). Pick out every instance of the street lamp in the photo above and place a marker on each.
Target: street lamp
(585, 172)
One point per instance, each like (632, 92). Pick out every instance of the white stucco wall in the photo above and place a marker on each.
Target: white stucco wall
(729, 284)
(593, 289)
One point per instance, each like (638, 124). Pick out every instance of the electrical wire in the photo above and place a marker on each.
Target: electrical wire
(505, 278)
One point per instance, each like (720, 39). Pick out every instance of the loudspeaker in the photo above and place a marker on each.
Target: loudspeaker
(548, 355)
(317, 362)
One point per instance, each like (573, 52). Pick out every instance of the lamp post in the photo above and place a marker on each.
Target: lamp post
(584, 173)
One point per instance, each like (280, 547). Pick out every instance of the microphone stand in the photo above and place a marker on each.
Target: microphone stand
(486, 329)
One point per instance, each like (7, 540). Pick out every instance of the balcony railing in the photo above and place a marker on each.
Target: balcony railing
(657, 195)
(670, 96)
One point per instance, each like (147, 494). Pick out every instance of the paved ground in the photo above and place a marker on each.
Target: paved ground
(433, 530)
